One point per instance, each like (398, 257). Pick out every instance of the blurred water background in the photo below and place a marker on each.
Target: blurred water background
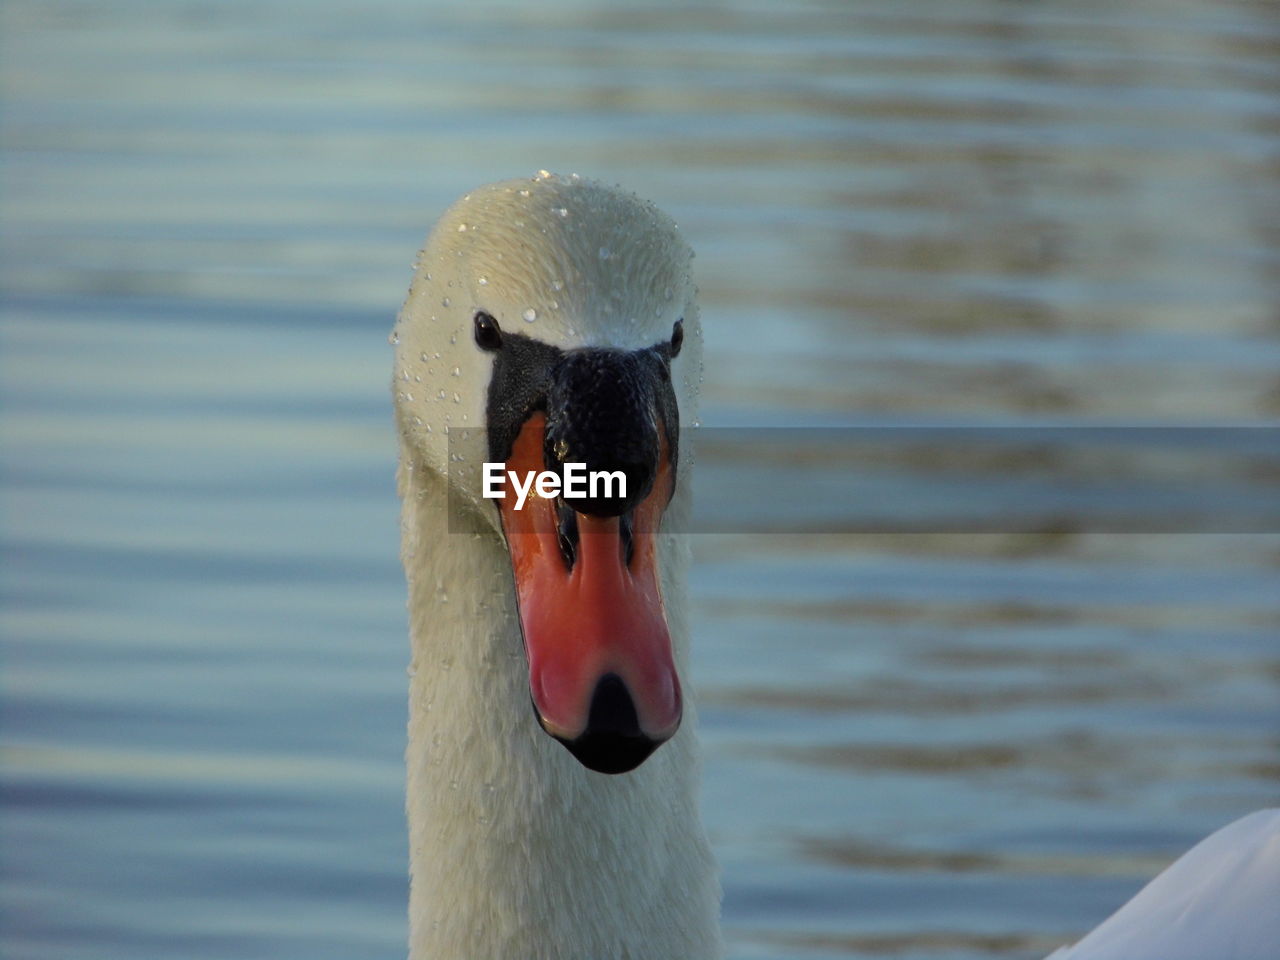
(924, 745)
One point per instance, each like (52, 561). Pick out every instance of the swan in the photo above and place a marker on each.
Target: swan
(552, 769)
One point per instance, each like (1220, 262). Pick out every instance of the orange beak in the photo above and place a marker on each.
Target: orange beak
(601, 673)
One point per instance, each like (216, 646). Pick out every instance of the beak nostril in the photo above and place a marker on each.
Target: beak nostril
(626, 533)
(567, 532)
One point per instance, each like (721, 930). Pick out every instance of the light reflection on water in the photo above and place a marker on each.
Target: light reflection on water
(919, 745)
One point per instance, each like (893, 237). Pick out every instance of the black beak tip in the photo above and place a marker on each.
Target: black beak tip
(605, 753)
(613, 741)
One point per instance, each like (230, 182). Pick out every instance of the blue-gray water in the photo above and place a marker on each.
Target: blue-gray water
(924, 746)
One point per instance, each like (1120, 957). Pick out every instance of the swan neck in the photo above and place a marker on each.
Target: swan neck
(515, 848)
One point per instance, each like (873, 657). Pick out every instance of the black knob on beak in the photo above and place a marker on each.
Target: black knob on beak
(601, 412)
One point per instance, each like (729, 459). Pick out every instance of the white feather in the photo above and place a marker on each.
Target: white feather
(1218, 901)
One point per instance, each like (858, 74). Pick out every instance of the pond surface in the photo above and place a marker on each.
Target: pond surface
(963, 741)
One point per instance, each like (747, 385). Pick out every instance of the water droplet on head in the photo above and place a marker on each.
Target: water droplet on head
(444, 302)
(456, 372)
(423, 356)
(462, 228)
(524, 192)
(557, 285)
(543, 175)
(562, 212)
(530, 315)
(604, 253)
(483, 281)
(393, 338)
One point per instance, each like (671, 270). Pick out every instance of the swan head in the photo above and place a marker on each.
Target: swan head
(552, 322)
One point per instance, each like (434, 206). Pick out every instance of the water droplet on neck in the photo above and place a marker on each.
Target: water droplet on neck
(483, 281)
(444, 302)
(530, 315)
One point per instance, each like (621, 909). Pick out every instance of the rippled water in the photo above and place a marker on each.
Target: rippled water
(919, 745)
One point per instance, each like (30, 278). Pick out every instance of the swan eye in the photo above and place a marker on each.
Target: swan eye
(488, 333)
(677, 337)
